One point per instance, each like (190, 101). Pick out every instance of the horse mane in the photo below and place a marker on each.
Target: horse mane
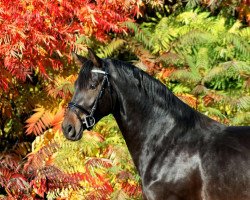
(154, 90)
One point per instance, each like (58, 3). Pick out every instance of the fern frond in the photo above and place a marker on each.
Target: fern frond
(5, 175)
(83, 39)
(187, 76)
(88, 146)
(12, 179)
(188, 99)
(93, 162)
(109, 49)
(57, 119)
(239, 43)
(241, 118)
(110, 130)
(41, 157)
(39, 121)
(163, 34)
(245, 33)
(193, 3)
(192, 16)
(51, 180)
(235, 28)
(214, 112)
(180, 89)
(17, 186)
(43, 140)
(191, 62)
(97, 194)
(131, 188)
(119, 195)
(217, 27)
(140, 36)
(61, 87)
(202, 59)
(194, 37)
(9, 160)
(170, 58)
(224, 69)
(199, 89)
(243, 103)
(216, 71)
(217, 96)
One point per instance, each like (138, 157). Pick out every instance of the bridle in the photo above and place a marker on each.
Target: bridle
(89, 120)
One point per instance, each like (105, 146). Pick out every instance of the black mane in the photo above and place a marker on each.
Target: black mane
(153, 90)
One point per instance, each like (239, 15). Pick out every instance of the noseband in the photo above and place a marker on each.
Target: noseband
(89, 120)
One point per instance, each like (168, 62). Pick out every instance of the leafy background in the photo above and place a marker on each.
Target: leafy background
(200, 49)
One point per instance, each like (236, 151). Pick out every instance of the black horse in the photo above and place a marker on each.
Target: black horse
(179, 153)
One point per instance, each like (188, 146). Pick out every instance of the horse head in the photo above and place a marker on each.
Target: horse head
(92, 98)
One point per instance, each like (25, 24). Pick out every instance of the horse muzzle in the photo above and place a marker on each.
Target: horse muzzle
(72, 131)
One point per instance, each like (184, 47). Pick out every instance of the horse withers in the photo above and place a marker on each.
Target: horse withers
(179, 153)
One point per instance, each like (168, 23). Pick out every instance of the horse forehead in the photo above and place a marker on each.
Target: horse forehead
(84, 77)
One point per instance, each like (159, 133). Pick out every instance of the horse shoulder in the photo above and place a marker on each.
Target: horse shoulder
(225, 165)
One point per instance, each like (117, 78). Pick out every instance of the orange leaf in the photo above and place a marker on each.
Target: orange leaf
(39, 121)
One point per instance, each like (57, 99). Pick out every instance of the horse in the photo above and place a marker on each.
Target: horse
(180, 154)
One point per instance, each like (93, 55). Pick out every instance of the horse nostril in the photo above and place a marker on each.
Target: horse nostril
(69, 128)
(71, 131)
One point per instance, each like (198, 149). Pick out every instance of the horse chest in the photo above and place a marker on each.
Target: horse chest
(171, 173)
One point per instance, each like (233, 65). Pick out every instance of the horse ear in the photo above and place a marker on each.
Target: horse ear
(79, 60)
(94, 58)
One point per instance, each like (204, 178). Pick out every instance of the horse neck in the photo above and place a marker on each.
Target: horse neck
(143, 104)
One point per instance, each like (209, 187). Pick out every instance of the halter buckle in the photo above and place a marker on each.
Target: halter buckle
(89, 121)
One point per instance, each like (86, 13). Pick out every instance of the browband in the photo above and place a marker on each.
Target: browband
(99, 71)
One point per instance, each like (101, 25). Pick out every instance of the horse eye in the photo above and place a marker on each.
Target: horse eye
(92, 86)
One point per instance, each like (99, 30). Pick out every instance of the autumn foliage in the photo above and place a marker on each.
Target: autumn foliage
(37, 80)
(36, 34)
